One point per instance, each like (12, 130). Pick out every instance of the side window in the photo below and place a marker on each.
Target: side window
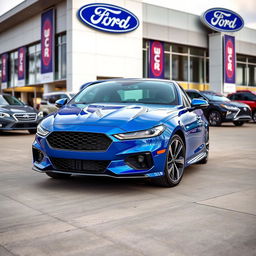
(185, 99)
(52, 99)
(232, 97)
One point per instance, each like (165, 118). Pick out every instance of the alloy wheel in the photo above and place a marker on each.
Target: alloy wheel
(176, 160)
(214, 118)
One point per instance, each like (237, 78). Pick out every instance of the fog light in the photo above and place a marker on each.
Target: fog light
(38, 155)
(140, 161)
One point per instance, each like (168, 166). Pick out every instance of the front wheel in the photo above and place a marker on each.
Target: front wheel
(214, 118)
(238, 123)
(55, 175)
(175, 163)
(254, 116)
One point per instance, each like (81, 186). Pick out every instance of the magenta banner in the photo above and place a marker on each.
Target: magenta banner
(47, 45)
(229, 60)
(5, 68)
(21, 66)
(156, 59)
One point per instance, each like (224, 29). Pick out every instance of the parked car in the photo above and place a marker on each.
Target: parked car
(47, 104)
(15, 115)
(247, 97)
(124, 128)
(221, 109)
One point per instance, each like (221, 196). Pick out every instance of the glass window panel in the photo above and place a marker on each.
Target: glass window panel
(196, 70)
(166, 47)
(179, 68)
(241, 74)
(252, 75)
(252, 59)
(179, 49)
(167, 66)
(207, 70)
(63, 61)
(196, 51)
(240, 58)
(145, 64)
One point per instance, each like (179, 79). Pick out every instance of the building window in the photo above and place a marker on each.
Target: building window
(246, 70)
(34, 64)
(181, 63)
(13, 69)
(61, 58)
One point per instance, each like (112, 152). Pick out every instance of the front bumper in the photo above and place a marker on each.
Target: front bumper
(243, 115)
(117, 157)
(12, 124)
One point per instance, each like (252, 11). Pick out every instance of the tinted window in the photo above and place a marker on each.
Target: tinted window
(9, 100)
(136, 91)
(215, 97)
(194, 95)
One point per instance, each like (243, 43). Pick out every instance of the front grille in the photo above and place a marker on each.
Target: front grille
(79, 141)
(80, 166)
(244, 111)
(25, 117)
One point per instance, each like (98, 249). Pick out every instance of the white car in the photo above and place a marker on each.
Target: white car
(47, 104)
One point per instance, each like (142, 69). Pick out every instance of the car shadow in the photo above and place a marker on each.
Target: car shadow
(14, 133)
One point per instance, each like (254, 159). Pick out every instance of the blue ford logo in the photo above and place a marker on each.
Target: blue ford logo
(108, 18)
(221, 19)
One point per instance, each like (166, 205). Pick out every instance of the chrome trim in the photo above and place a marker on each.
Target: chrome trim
(92, 175)
(31, 117)
(197, 158)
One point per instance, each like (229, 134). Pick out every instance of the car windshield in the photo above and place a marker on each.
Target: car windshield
(215, 97)
(129, 91)
(10, 100)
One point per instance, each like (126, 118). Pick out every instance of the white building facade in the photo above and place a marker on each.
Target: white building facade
(192, 53)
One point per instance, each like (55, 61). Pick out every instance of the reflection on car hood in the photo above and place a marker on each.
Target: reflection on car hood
(232, 103)
(127, 117)
(16, 109)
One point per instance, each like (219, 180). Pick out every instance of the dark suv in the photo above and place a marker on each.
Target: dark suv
(247, 97)
(15, 115)
(221, 109)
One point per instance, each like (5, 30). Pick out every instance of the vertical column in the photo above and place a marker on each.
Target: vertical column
(216, 62)
(48, 88)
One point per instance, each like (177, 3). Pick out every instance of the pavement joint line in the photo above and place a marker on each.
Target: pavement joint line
(8, 250)
(226, 209)
(76, 227)
(230, 193)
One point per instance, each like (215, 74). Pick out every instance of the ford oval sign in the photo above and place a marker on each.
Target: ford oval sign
(108, 18)
(223, 20)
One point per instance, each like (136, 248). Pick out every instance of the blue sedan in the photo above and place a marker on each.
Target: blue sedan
(124, 128)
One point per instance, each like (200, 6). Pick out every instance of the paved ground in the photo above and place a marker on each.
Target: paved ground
(212, 211)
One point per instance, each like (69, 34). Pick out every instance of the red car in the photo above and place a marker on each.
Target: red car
(245, 96)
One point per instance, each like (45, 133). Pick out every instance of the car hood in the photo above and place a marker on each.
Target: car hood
(16, 109)
(126, 117)
(232, 103)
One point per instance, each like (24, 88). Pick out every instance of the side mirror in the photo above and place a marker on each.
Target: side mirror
(61, 102)
(199, 104)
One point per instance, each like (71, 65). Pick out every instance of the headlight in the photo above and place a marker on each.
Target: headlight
(40, 114)
(229, 107)
(3, 115)
(155, 131)
(42, 131)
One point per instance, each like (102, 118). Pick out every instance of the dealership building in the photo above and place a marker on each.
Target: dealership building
(48, 45)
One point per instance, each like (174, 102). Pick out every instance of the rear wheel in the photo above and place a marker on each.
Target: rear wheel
(55, 175)
(214, 118)
(175, 163)
(238, 123)
(254, 116)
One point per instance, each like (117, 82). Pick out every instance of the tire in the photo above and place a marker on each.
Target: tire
(238, 123)
(254, 116)
(33, 131)
(58, 175)
(175, 163)
(214, 118)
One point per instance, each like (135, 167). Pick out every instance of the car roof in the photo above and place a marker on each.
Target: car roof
(55, 93)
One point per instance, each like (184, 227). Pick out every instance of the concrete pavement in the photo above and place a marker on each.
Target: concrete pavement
(211, 212)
